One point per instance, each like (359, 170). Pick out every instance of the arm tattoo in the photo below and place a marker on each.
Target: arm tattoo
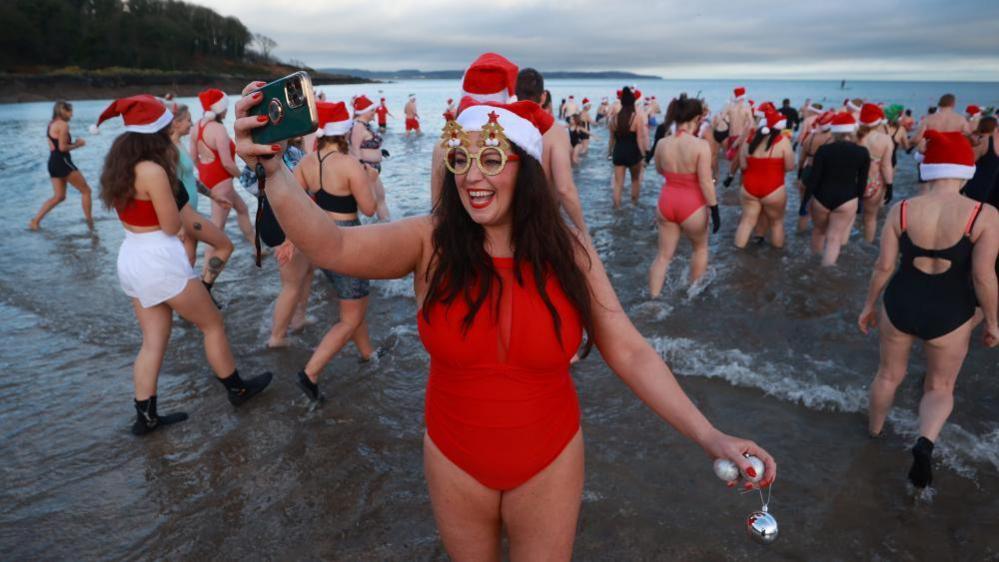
(203, 190)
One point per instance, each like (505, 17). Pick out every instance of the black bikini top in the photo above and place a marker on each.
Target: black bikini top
(346, 204)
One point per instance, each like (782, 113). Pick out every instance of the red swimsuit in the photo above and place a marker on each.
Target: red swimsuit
(500, 402)
(764, 176)
(212, 173)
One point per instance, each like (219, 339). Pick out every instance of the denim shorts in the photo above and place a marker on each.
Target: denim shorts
(348, 288)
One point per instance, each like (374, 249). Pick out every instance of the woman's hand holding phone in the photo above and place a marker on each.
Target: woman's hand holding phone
(250, 152)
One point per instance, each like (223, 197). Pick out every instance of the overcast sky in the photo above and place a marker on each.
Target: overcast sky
(853, 39)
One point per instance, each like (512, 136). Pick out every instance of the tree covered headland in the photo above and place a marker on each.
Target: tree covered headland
(153, 34)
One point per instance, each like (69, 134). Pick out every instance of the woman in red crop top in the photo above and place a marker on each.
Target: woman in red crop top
(504, 292)
(214, 155)
(139, 181)
(764, 162)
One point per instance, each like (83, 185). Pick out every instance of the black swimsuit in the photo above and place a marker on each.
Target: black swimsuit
(626, 150)
(346, 204)
(838, 174)
(60, 163)
(983, 186)
(932, 305)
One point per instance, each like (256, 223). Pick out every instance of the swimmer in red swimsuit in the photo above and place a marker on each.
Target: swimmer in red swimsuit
(412, 117)
(688, 193)
(501, 312)
(764, 161)
(214, 153)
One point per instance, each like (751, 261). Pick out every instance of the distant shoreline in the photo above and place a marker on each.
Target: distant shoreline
(117, 83)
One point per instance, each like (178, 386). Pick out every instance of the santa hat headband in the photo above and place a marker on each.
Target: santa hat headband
(523, 122)
(843, 122)
(334, 120)
(491, 77)
(141, 114)
(871, 115)
(739, 93)
(214, 102)
(973, 110)
(948, 156)
(362, 105)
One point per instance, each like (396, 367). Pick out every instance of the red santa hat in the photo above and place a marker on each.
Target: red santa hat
(637, 93)
(334, 119)
(523, 122)
(141, 114)
(973, 110)
(491, 77)
(214, 102)
(762, 109)
(871, 115)
(382, 100)
(773, 120)
(739, 93)
(825, 120)
(586, 101)
(948, 156)
(843, 122)
(362, 105)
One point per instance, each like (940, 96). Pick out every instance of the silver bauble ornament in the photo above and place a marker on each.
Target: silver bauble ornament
(726, 470)
(762, 527)
(758, 466)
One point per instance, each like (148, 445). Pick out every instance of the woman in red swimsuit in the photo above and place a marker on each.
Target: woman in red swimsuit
(214, 155)
(140, 182)
(688, 193)
(764, 161)
(505, 291)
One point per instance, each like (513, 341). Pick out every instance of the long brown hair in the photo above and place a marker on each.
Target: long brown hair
(461, 266)
(118, 175)
(622, 125)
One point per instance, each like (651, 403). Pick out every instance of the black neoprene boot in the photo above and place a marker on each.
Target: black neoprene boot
(240, 390)
(148, 420)
(310, 388)
(921, 473)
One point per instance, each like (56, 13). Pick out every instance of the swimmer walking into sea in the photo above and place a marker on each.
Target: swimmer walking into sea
(935, 290)
(62, 170)
(688, 193)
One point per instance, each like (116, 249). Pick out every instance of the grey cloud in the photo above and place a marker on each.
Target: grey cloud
(643, 35)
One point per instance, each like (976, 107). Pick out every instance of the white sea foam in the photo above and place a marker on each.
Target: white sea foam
(396, 287)
(957, 447)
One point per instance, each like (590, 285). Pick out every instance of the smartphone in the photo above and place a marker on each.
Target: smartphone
(290, 105)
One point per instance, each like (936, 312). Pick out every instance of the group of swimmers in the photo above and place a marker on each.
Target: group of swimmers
(508, 293)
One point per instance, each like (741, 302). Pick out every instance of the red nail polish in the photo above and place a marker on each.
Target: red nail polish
(748, 486)
(258, 95)
(731, 484)
(275, 147)
(261, 118)
(751, 472)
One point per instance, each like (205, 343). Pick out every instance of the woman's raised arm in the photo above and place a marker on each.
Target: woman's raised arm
(380, 251)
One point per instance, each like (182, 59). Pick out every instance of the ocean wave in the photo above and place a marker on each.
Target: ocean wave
(958, 448)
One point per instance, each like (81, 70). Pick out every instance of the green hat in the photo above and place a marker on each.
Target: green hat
(893, 112)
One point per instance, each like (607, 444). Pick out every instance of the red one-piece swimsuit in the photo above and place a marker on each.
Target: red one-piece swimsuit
(212, 173)
(500, 402)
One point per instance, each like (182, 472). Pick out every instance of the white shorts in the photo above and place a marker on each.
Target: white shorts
(153, 267)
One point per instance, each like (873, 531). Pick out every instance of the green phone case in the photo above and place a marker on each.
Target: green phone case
(287, 122)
